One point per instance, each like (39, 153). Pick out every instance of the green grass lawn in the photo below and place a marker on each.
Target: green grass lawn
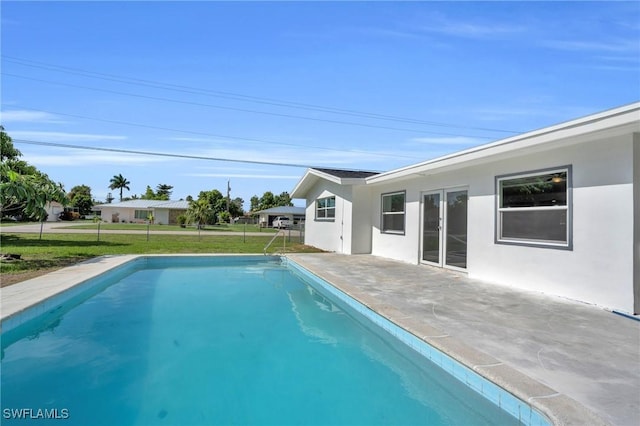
(143, 227)
(58, 250)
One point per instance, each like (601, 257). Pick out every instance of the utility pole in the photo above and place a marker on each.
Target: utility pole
(228, 197)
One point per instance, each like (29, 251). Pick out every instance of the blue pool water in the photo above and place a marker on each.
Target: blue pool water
(222, 341)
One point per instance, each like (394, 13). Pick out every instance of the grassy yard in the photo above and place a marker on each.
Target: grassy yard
(58, 250)
(143, 227)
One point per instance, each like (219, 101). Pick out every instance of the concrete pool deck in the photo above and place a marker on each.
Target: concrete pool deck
(546, 350)
(560, 356)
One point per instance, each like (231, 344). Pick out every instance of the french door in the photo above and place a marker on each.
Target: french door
(444, 228)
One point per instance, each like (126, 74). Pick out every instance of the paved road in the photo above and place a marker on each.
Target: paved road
(67, 228)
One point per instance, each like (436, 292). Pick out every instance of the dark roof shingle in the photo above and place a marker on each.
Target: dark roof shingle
(347, 173)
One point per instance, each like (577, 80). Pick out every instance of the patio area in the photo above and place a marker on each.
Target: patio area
(576, 363)
(559, 355)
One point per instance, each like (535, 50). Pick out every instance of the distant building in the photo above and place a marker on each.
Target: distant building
(138, 211)
(53, 209)
(266, 217)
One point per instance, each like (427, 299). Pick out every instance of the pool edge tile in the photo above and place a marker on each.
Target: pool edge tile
(559, 410)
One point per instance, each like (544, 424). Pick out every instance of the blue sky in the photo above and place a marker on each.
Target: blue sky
(354, 85)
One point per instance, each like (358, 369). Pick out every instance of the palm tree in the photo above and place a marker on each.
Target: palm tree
(199, 212)
(119, 182)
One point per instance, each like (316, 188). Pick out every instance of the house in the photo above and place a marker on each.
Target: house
(138, 211)
(338, 209)
(552, 210)
(266, 217)
(53, 209)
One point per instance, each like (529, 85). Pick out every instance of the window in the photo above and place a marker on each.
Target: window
(393, 212)
(141, 214)
(326, 208)
(535, 208)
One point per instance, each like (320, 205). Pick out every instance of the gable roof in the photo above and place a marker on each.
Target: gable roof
(347, 173)
(174, 205)
(339, 176)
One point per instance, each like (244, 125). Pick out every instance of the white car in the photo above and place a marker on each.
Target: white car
(282, 222)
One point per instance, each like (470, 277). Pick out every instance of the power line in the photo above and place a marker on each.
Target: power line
(161, 154)
(192, 132)
(156, 98)
(236, 96)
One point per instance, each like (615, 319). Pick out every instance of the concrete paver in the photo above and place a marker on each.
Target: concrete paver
(547, 350)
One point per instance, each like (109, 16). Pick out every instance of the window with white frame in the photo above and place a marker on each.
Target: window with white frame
(326, 208)
(534, 208)
(393, 208)
(141, 214)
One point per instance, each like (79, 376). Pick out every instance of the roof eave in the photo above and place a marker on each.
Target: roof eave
(625, 117)
(312, 176)
(309, 179)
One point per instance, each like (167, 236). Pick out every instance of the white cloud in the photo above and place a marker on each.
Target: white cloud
(452, 140)
(385, 32)
(88, 158)
(299, 156)
(62, 136)
(192, 139)
(501, 114)
(441, 24)
(617, 67)
(233, 169)
(19, 116)
(634, 60)
(242, 176)
(234, 156)
(619, 46)
(465, 29)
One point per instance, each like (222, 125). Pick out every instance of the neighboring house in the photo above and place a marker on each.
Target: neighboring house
(266, 217)
(552, 210)
(138, 211)
(53, 209)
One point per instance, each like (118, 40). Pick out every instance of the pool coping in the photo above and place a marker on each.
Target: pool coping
(560, 409)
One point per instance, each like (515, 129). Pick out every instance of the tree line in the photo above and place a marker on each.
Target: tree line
(25, 193)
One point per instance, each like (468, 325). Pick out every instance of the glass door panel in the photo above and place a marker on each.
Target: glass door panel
(456, 229)
(431, 228)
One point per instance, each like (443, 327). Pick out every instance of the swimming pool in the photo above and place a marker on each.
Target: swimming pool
(227, 340)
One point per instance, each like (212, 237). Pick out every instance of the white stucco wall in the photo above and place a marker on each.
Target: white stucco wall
(161, 216)
(329, 235)
(350, 232)
(106, 214)
(598, 270)
(126, 214)
(362, 220)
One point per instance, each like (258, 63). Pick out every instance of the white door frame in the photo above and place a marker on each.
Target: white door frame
(442, 249)
(440, 194)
